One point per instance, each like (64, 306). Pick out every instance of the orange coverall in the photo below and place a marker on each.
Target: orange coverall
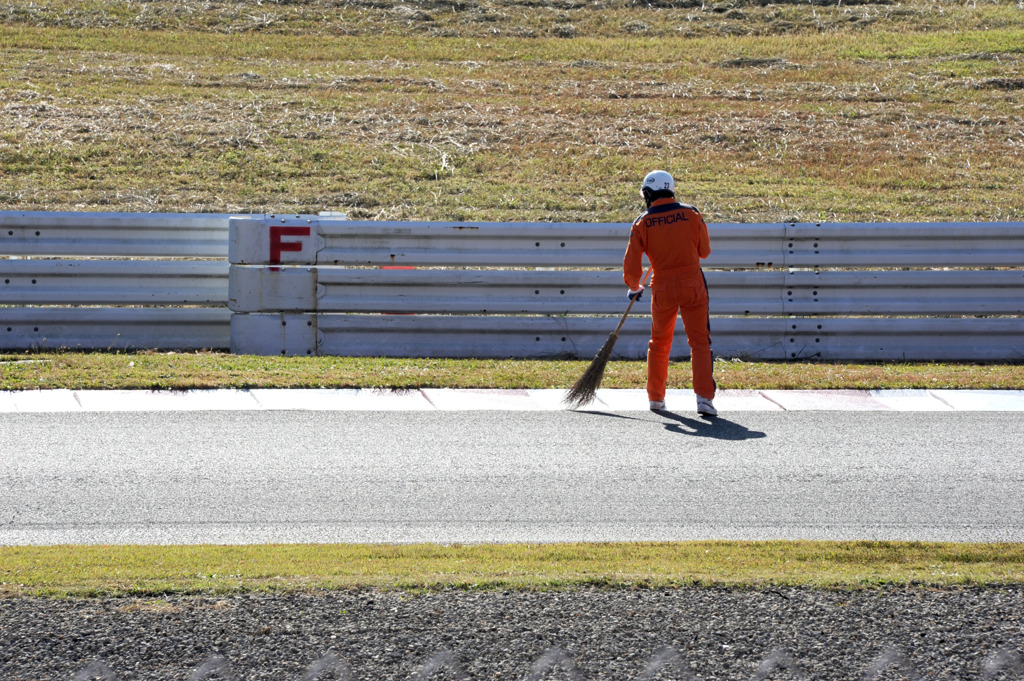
(675, 238)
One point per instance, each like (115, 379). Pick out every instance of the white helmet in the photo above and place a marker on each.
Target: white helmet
(657, 184)
(659, 180)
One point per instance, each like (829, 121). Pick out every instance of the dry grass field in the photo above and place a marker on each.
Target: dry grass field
(515, 109)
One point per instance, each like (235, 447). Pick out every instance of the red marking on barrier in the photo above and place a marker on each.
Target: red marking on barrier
(277, 246)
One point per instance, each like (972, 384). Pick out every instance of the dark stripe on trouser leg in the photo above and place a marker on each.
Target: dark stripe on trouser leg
(711, 348)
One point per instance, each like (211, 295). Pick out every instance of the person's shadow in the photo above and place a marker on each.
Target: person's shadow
(709, 426)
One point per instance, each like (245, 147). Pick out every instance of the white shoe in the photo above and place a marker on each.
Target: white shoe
(706, 407)
(657, 405)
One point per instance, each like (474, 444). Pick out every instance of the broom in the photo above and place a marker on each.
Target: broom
(585, 388)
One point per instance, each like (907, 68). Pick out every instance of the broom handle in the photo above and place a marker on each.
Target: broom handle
(626, 313)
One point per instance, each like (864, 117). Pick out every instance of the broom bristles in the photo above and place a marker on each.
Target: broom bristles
(585, 388)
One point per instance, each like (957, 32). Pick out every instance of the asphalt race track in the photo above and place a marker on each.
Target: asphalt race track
(497, 475)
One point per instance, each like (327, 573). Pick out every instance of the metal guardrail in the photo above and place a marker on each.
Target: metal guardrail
(167, 235)
(904, 244)
(310, 240)
(544, 336)
(106, 328)
(484, 277)
(113, 282)
(358, 243)
(744, 292)
(778, 291)
(171, 277)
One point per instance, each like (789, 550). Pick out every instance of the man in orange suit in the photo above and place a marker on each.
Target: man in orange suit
(675, 238)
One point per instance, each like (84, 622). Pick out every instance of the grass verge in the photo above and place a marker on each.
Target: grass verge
(187, 371)
(78, 571)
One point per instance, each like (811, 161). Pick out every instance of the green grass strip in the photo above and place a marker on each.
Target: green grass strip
(81, 571)
(655, 50)
(189, 371)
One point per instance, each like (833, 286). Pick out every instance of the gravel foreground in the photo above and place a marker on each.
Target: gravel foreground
(589, 633)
